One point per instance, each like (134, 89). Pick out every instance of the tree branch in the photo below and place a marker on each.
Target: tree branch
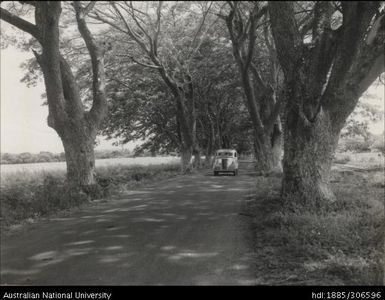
(157, 26)
(285, 32)
(139, 25)
(269, 125)
(375, 29)
(140, 63)
(129, 30)
(377, 68)
(20, 23)
(97, 16)
(200, 26)
(32, 3)
(99, 105)
(88, 8)
(251, 45)
(353, 55)
(258, 79)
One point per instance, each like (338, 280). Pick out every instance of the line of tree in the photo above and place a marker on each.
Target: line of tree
(191, 77)
(27, 157)
(46, 156)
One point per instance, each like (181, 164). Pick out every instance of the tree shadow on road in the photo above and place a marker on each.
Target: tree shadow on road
(187, 231)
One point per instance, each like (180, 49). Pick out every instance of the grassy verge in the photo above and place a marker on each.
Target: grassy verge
(26, 196)
(341, 244)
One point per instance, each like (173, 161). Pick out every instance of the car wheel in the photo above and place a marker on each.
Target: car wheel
(215, 173)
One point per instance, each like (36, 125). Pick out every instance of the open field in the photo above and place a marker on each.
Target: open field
(361, 160)
(61, 166)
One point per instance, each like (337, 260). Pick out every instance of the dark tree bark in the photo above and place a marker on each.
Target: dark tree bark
(259, 96)
(76, 127)
(186, 121)
(323, 81)
(80, 160)
(210, 145)
(211, 137)
(187, 139)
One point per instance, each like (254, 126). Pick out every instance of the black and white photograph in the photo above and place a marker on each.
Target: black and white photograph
(192, 143)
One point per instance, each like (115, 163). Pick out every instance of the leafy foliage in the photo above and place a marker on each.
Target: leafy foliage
(141, 106)
(357, 125)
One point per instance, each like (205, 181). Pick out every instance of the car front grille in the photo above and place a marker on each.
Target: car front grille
(224, 163)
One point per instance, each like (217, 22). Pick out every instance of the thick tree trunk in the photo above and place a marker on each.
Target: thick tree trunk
(209, 159)
(267, 156)
(197, 163)
(308, 155)
(186, 160)
(80, 158)
(187, 138)
(210, 147)
(268, 152)
(323, 81)
(263, 155)
(277, 148)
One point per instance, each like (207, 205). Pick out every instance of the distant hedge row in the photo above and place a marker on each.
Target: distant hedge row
(360, 145)
(45, 156)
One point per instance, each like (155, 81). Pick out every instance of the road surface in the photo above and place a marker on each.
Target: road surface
(182, 231)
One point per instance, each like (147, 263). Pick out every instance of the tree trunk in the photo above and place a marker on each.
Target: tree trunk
(265, 159)
(267, 145)
(308, 154)
(186, 160)
(76, 128)
(259, 95)
(80, 158)
(197, 163)
(277, 147)
(208, 159)
(210, 146)
(268, 151)
(323, 81)
(187, 138)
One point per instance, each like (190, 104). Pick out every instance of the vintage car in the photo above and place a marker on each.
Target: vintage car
(225, 161)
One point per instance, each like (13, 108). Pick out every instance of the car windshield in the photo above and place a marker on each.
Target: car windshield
(225, 154)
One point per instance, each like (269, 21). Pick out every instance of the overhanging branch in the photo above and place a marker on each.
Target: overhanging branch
(99, 105)
(20, 23)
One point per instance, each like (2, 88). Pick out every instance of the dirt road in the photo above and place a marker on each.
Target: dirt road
(182, 231)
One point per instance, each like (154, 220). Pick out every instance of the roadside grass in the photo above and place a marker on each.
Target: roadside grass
(360, 159)
(25, 196)
(342, 159)
(340, 244)
(118, 179)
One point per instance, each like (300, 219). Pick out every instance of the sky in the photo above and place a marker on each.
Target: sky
(23, 118)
